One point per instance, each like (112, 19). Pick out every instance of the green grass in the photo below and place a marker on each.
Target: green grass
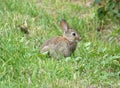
(95, 63)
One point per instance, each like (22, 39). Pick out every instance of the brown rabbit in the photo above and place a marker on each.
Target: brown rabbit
(62, 45)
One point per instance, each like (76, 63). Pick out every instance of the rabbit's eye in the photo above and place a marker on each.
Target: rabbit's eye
(73, 33)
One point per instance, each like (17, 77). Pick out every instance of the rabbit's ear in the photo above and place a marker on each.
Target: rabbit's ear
(64, 25)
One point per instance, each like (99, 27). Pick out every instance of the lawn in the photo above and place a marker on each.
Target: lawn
(94, 64)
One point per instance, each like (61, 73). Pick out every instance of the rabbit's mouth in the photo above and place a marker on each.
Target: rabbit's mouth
(73, 39)
(77, 39)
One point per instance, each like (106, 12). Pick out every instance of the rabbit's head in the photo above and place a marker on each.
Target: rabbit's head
(69, 34)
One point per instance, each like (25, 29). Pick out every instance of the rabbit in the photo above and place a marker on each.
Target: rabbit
(62, 46)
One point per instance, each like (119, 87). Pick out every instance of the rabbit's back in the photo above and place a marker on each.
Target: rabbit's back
(59, 46)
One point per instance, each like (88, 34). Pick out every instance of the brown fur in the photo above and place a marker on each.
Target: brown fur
(62, 45)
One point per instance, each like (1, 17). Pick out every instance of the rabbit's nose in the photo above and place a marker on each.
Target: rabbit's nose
(78, 38)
